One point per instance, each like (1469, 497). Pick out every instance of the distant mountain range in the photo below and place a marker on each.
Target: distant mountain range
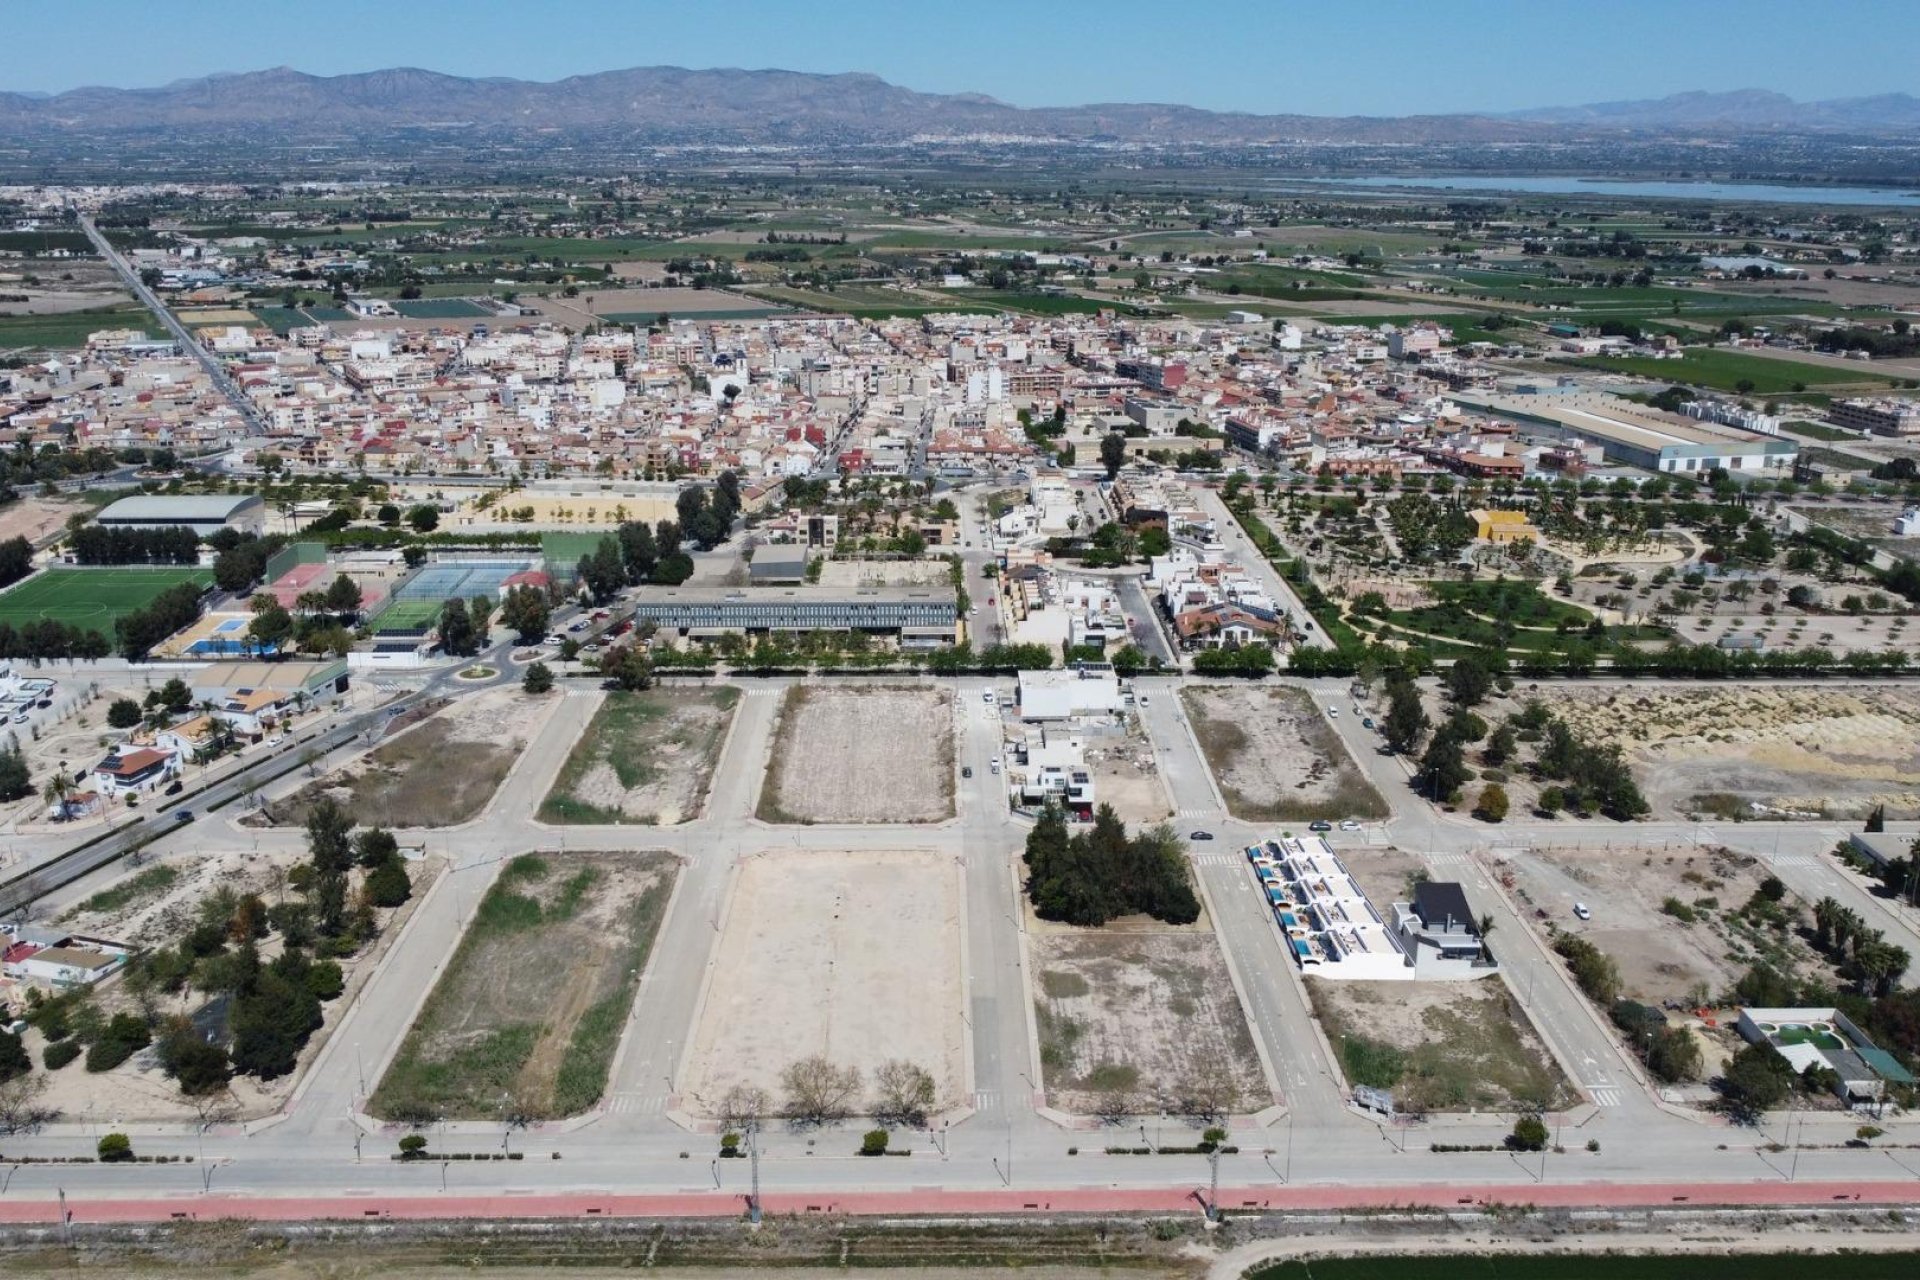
(669, 103)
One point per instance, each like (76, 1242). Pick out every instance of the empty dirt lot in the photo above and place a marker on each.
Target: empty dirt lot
(861, 754)
(541, 1033)
(645, 757)
(1126, 776)
(1663, 958)
(1275, 757)
(1137, 1021)
(1439, 1046)
(437, 773)
(853, 956)
(1720, 749)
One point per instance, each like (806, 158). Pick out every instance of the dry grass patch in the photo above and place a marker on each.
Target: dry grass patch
(1275, 756)
(645, 758)
(532, 1003)
(861, 754)
(1440, 1046)
(439, 773)
(1138, 1022)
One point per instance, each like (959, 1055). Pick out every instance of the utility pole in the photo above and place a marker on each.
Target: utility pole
(66, 1219)
(753, 1157)
(1213, 1188)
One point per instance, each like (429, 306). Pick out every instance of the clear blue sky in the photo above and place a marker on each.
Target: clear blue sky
(1323, 57)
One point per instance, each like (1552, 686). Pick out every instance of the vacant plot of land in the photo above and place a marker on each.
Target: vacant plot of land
(852, 956)
(645, 757)
(91, 598)
(1275, 756)
(885, 573)
(1126, 776)
(869, 754)
(1141, 1021)
(1439, 1046)
(438, 773)
(1719, 750)
(1671, 918)
(35, 518)
(531, 1005)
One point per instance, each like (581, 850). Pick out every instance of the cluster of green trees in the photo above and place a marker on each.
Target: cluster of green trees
(1096, 875)
(636, 553)
(136, 633)
(240, 559)
(48, 640)
(97, 544)
(1862, 954)
(1590, 776)
(16, 560)
(1239, 660)
(1671, 1054)
(707, 516)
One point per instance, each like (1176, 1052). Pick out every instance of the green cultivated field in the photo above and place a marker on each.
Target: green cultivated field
(93, 599)
(67, 330)
(1726, 370)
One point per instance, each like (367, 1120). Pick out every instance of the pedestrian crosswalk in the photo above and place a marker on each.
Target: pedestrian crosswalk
(1216, 859)
(1193, 812)
(636, 1104)
(575, 691)
(1603, 1096)
(1794, 860)
(1449, 859)
(764, 691)
(986, 1099)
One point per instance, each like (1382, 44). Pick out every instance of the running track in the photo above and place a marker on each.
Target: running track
(84, 1209)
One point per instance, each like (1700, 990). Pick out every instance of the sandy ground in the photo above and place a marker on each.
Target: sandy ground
(1796, 751)
(138, 1090)
(1126, 776)
(439, 772)
(868, 754)
(1466, 1044)
(1148, 1015)
(1661, 959)
(855, 956)
(1386, 875)
(35, 518)
(1275, 757)
(493, 993)
(669, 759)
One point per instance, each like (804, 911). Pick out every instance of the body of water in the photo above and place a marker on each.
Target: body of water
(1753, 192)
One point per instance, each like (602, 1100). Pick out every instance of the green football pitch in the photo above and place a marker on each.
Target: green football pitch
(93, 599)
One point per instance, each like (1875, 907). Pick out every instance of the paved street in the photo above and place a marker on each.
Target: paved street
(1310, 1143)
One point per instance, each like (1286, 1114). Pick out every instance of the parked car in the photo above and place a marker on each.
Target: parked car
(1200, 835)
(1319, 824)
(183, 815)
(175, 787)
(1348, 824)
(966, 771)
(1581, 911)
(1367, 723)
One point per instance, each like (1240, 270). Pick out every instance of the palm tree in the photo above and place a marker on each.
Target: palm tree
(56, 791)
(1487, 924)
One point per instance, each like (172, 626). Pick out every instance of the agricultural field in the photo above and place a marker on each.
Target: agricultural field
(1719, 751)
(854, 956)
(644, 757)
(868, 754)
(435, 771)
(541, 1035)
(1439, 1046)
(1736, 372)
(1275, 757)
(68, 330)
(1136, 1021)
(93, 599)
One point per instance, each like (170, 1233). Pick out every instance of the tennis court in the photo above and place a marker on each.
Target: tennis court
(92, 599)
(407, 617)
